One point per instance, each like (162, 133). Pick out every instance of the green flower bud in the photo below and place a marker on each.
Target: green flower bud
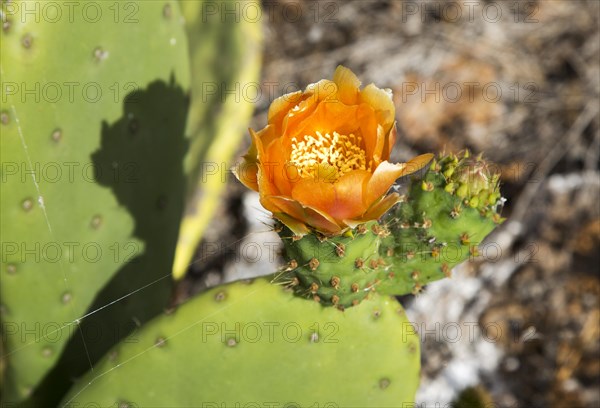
(462, 191)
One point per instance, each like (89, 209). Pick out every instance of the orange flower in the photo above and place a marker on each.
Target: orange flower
(322, 160)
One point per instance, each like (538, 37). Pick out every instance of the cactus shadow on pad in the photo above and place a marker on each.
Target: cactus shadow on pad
(141, 160)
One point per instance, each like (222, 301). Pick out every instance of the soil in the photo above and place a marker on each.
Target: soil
(519, 81)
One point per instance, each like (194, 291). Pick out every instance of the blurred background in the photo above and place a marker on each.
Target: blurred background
(517, 80)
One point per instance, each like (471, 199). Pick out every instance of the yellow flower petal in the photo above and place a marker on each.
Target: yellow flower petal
(304, 214)
(382, 102)
(417, 163)
(297, 227)
(322, 162)
(381, 207)
(384, 176)
(348, 85)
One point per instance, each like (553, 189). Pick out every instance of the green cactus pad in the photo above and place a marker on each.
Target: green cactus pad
(254, 343)
(340, 271)
(432, 229)
(225, 56)
(93, 111)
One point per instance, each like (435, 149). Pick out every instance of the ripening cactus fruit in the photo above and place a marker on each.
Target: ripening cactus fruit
(93, 111)
(255, 344)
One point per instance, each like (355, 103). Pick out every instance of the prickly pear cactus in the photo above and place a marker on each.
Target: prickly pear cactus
(2, 364)
(94, 102)
(225, 56)
(254, 343)
(442, 221)
(438, 224)
(340, 271)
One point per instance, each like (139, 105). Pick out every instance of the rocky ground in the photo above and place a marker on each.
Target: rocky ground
(519, 81)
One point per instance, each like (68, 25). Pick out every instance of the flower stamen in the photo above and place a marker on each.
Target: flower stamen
(332, 154)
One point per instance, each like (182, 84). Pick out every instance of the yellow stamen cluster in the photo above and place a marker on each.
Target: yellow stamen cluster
(327, 156)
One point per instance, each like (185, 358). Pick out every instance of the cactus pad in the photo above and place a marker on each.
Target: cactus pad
(225, 59)
(93, 110)
(254, 344)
